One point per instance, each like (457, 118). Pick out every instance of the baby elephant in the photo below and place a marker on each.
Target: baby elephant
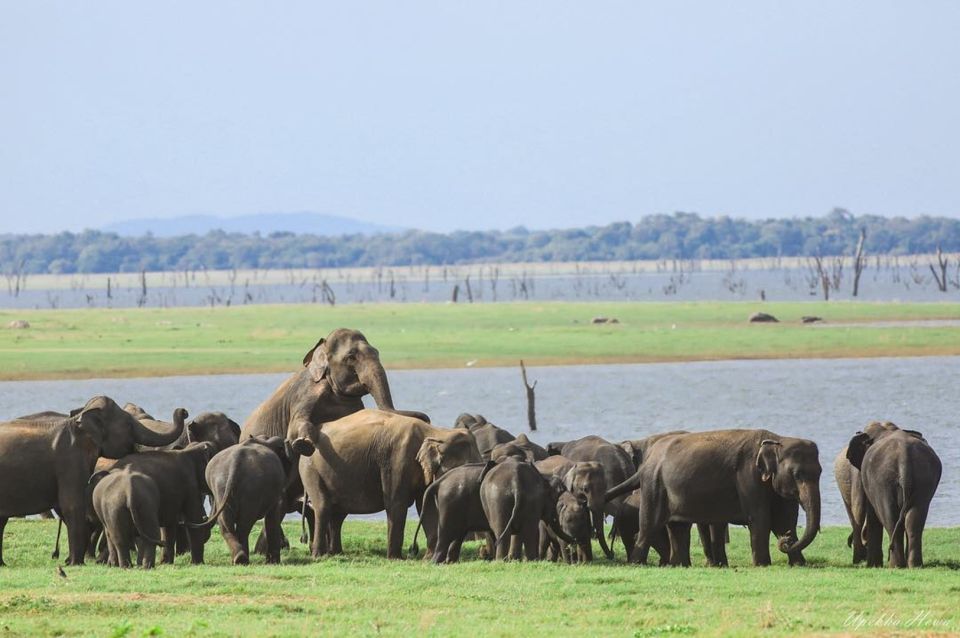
(456, 498)
(248, 483)
(515, 497)
(573, 515)
(128, 504)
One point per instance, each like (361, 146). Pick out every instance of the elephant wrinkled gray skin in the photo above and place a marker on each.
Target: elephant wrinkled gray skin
(900, 473)
(586, 479)
(46, 463)
(617, 467)
(127, 502)
(372, 461)
(573, 517)
(215, 427)
(854, 501)
(247, 482)
(521, 448)
(726, 476)
(179, 476)
(515, 497)
(337, 373)
(453, 501)
(487, 435)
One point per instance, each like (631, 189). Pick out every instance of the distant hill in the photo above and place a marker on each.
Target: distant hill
(264, 223)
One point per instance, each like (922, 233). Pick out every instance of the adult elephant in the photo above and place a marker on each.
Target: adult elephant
(617, 467)
(337, 373)
(372, 461)
(854, 501)
(900, 473)
(727, 475)
(46, 463)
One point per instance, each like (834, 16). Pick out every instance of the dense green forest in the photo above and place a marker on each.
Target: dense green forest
(682, 235)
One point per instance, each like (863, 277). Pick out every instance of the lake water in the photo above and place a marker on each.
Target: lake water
(823, 400)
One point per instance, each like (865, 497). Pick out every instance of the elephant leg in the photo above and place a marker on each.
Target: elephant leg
(335, 537)
(396, 520)
(169, 536)
(543, 543)
(76, 536)
(529, 538)
(719, 537)
(122, 544)
(244, 528)
(3, 524)
(149, 559)
(321, 536)
(453, 552)
(760, 540)
(679, 544)
(228, 529)
(272, 529)
(913, 525)
(706, 542)
(516, 546)
(888, 511)
(874, 532)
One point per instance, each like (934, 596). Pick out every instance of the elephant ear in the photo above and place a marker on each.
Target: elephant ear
(916, 434)
(635, 454)
(90, 420)
(489, 465)
(767, 459)
(555, 448)
(430, 458)
(234, 427)
(568, 478)
(857, 448)
(315, 361)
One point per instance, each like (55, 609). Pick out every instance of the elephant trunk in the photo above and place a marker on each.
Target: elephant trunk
(161, 433)
(598, 529)
(374, 379)
(810, 502)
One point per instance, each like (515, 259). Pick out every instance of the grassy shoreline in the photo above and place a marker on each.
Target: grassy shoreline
(362, 593)
(272, 338)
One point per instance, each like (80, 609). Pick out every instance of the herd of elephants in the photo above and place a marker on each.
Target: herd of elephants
(121, 480)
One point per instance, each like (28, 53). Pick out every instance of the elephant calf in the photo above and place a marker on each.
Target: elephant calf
(248, 483)
(515, 498)
(585, 479)
(454, 501)
(128, 504)
(573, 516)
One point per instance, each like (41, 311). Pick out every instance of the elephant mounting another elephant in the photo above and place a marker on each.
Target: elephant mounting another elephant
(337, 373)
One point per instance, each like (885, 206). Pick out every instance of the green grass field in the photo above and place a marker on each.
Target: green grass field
(146, 342)
(362, 593)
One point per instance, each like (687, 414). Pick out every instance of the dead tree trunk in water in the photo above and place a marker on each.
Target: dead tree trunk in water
(859, 262)
(531, 399)
(940, 277)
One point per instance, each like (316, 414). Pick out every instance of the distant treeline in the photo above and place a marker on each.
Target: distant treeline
(682, 235)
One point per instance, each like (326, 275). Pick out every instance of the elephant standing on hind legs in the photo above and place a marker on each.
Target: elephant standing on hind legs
(900, 473)
(727, 476)
(337, 373)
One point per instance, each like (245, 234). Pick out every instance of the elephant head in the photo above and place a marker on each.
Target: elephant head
(350, 365)
(215, 427)
(586, 479)
(116, 433)
(792, 468)
(437, 455)
(875, 431)
(573, 515)
(467, 421)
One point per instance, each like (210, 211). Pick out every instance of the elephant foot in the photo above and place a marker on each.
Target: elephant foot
(241, 559)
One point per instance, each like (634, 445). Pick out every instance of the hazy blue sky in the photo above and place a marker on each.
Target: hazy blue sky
(476, 115)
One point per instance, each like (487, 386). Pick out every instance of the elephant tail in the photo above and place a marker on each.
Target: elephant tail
(626, 487)
(143, 529)
(907, 496)
(429, 496)
(513, 516)
(303, 520)
(227, 491)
